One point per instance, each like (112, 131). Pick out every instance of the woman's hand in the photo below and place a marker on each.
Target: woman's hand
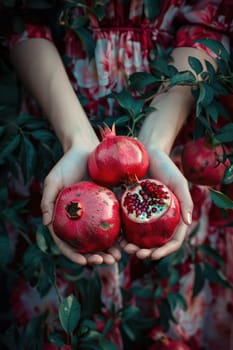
(158, 134)
(71, 168)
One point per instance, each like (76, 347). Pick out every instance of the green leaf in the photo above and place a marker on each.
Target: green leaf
(211, 70)
(69, 313)
(142, 292)
(215, 276)
(43, 135)
(209, 251)
(10, 147)
(216, 46)
(108, 326)
(175, 299)
(31, 261)
(151, 8)
(225, 134)
(27, 158)
(220, 199)
(99, 11)
(79, 22)
(165, 313)
(174, 277)
(140, 80)
(213, 112)
(129, 331)
(206, 94)
(34, 334)
(12, 338)
(57, 339)
(4, 249)
(125, 99)
(87, 40)
(228, 175)
(199, 279)
(30, 122)
(158, 292)
(45, 278)
(122, 121)
(195, 64)
(182, 78)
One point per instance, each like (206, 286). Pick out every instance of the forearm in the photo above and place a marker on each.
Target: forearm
(172, 107)
(39, 65)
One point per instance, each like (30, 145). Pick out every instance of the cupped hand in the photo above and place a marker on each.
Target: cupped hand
(164, 169)
(71, 168)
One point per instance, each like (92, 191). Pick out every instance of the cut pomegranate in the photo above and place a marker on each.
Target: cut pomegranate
(150, 213)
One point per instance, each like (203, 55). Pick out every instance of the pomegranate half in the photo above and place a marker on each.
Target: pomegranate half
(150, 213)
(87, 217)
(117, 158)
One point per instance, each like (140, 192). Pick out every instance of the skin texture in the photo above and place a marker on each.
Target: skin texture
(55, 95)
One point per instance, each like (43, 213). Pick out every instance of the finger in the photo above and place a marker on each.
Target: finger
(173, 245)
(144, 253)
(108, 259)
(94, 259)
(131, 248)
(50, 191)
(181, 190)
(68, 251)
(115, 252)
(122, 243)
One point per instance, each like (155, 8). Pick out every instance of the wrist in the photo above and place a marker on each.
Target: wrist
(162, 125)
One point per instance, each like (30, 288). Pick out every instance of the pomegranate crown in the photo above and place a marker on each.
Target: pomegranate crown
(106, 131)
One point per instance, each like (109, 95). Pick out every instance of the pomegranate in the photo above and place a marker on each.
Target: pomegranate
(87, 217)
(150, 213)
(117, 158)
(203, 163)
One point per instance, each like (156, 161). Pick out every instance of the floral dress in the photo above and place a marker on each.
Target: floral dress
(126, 36)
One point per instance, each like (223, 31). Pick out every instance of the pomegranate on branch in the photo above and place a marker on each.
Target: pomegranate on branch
(87, 217)
(150, 213)
(203, 162)
(117, 158)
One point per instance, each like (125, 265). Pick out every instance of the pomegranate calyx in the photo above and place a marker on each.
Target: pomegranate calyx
(74, 210)
(106, 131)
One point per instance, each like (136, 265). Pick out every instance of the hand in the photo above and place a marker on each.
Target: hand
(71, 168)
(163, 168)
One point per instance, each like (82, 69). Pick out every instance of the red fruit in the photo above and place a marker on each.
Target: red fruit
(150, 213)
(87, 217)
(203, 163)
(117, 158)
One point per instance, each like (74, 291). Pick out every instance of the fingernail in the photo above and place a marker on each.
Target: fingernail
(189, 218)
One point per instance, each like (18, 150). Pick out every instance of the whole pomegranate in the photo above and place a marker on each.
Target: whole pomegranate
(150, 213)
(87, 217)
(117, 158)
(203, 162)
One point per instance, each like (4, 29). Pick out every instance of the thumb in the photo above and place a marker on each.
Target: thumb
(50, 191)
(181, 190)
